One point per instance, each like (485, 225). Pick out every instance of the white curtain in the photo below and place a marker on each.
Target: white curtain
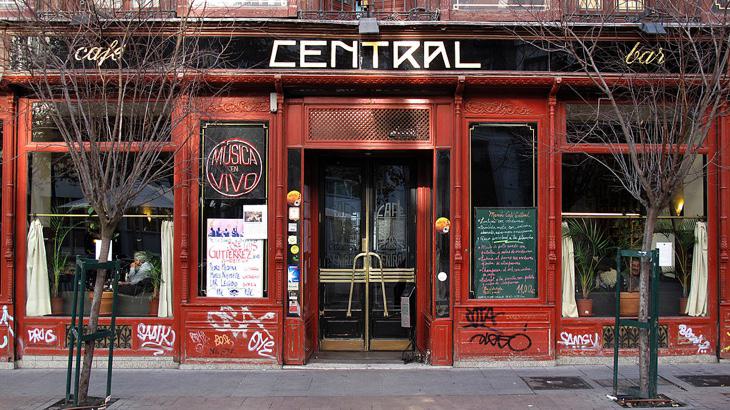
(165, 307)
(570, 309)
(697, 299)
(36, 273)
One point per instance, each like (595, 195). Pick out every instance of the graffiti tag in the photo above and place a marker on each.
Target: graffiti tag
(584, 341)
(199, 339)
(223, 340)
(703, 345)
(41, 336)
(238, 323)
(157, 338)
(6, 320)
(516, 342)
(479, 316)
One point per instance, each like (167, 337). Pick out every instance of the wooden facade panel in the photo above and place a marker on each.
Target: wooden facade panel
(504, 342)
(235, 332)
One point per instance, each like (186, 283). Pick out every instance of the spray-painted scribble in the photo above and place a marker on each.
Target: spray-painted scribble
(238, 322)
(584, 341)
(39, 335)
(157, 338)
(703, 345)
(7, 321)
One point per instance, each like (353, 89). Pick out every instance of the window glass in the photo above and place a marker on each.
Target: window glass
(71, 229)
(233, 223)
(602, 217)
(629, 5)
(504, 214)
(589, 4)
(141, 119)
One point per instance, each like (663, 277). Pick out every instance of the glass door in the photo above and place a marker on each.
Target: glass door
(367, 253)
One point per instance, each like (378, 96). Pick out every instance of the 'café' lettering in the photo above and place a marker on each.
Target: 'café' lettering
(100, 54)
(643, 56)
(409, 54)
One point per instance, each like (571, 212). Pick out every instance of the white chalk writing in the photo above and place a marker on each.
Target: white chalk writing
(37, 335)
(6, 320)
(584, 341)
(237, 322)
(703, 345)
(157, 338)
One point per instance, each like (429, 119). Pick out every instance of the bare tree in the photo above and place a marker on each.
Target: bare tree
(117, 83)
(653, 97)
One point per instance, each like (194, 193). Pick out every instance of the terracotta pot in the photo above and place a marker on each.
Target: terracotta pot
(154, 305)
(107, 297)
(682, 305)
(585, 307)
(629, 304)
(57, 305)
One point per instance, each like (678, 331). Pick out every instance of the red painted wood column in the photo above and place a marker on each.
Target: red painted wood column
(723, 148)
(7, 244)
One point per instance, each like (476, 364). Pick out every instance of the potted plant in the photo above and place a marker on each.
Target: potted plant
(629, 300)
(59, 260)
(590, 246)
(156, 278)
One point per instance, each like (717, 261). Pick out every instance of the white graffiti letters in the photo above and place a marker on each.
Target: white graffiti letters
(263, 345)
(200, 339)
(703, 345)
(157, 338)
(584, 341)
(237, 322)
(37, 335)
(6, 320)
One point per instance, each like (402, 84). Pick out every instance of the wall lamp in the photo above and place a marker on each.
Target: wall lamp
(368, 25)
(653, 28)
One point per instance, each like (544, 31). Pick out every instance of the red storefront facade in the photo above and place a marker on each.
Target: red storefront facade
(326, 131)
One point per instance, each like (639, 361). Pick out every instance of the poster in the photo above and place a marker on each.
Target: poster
(235, 264)
(254, 221)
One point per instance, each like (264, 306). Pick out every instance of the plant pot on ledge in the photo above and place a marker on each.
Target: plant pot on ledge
(585, 307)
(57, 305)
(107, 297)
(682, 306)
(154, 305)
(629, 306)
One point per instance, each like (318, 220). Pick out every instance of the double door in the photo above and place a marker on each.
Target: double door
(367, 252)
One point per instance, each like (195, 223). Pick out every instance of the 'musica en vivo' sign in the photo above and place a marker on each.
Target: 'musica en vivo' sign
(368, 54)
(235, 159)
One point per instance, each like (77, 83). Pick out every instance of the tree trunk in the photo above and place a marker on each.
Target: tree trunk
(106, 237)
(644, 351)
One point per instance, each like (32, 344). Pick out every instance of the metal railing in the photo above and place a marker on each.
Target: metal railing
(497, 5)
(408, 10)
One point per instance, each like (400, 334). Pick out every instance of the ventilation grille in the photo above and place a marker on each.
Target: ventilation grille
(365, 124)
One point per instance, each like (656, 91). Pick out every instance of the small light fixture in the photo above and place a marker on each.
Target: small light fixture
(368, 25)
(677, 202)
(653, 28)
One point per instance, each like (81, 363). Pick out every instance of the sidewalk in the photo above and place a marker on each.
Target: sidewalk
(416, 388)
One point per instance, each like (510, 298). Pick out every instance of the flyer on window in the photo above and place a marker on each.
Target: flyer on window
(254, 221)
(235, 264)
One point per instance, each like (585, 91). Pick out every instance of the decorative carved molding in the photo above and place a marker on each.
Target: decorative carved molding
(241, 105)
(500, 107)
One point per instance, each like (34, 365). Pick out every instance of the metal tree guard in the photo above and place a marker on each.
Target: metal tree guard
(651, 324)
(77, 335)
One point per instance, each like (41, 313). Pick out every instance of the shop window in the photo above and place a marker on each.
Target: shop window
(589, 4)
(233, 223)
(142, 119)
(443, 227)
(629, 5)
(504, 214)
(598, 124)
(238, 3)
(600, 217)
(71, 229)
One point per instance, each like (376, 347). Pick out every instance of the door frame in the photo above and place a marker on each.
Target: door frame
(423, 162)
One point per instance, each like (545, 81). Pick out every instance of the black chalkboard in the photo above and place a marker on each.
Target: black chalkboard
(505, 253)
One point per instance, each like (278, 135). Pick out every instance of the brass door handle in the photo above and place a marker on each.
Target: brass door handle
(352, 282)
(382, 281)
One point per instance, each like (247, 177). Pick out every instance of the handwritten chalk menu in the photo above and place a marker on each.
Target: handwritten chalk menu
(235, 265)
(505, 253)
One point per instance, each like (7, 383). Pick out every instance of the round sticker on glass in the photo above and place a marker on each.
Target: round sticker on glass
(443, 225)
(294, 198)
(294, 249)
(442, 276)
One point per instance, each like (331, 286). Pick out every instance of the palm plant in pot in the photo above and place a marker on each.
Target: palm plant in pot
(59, 260)
(590, 246)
